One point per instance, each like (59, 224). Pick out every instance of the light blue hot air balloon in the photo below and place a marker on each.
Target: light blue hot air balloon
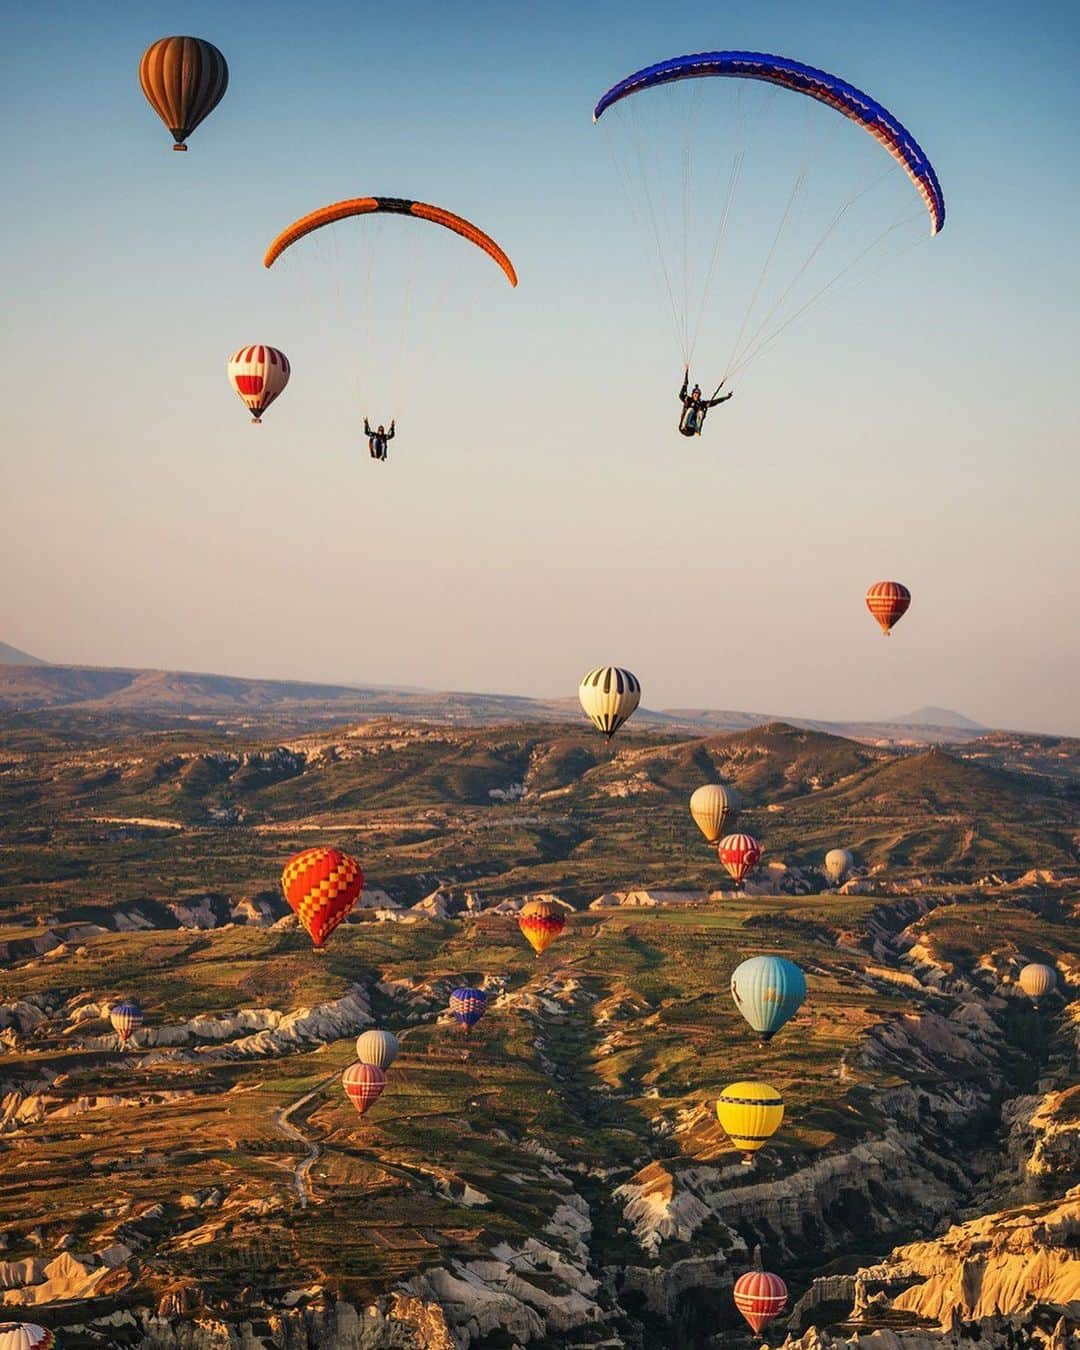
(768, 991)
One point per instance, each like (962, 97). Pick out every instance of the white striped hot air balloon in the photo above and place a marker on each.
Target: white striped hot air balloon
(259, 374)
(25, 1336)
(711, 806)
(126, 1019)
(609, 696)
(1037, 980)
(838, 863)
(377, 1047)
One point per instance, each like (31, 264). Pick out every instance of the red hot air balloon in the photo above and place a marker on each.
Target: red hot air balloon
(258, 374)
(740, 854)
(321, 886)
(888, 602)
(541, 922)
(363, 1083)
(760, 1297)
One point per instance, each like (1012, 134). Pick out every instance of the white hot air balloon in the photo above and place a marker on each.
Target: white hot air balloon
(1037, 980)
(711, 806)
(609, 695)
(838, 863)
(259, 374)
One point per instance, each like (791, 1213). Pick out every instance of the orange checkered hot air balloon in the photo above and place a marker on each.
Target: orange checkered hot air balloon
(888, 602)
(321, 886)
(541, 921)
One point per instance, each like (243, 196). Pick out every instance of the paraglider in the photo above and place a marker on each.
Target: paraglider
(541, 922)
(1037, 980)
(468, 1006)
(740, 854)
(363, 1084)
(377, 1047)
(362, 206)
(126, 1019)
(838, 863)
(379, 439)
(768, 991)
(760, 1297)
(888, 602)
(712, 806)
(184, 79)
(695, 406)
(321, 885)
(816, 84)
(25, 1336)
(750, 1114)
(258, 373)
(608, 696)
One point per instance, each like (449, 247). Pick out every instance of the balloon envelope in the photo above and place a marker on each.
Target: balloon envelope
(712, 805)
(760, 1297)
(740, 854)
(184, 79)
(750, 1114)
(838, 863)
(768, 991)
(541, 921)
(468, 1006)
(377, 1047)
(363, 1083)
(321, 886)
(126, 1018)
(25, 1336)
(888, 602)
(608, 696)
(258, 373)
(1037, 980)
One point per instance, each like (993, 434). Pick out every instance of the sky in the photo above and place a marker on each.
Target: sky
(539, 514)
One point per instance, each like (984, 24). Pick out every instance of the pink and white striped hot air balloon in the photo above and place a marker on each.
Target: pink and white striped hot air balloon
(364, 1084)
(25, 1336)
(760, 1296)
(258, 374)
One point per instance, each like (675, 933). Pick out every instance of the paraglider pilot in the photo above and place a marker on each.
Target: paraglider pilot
(695, 405)
(377, 440)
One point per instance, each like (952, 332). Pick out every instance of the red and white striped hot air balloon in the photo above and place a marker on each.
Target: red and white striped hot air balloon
(25, 1336)
(258, 374)
(363, 1083)
(888, 602)
(740, 854)
(760, 1297)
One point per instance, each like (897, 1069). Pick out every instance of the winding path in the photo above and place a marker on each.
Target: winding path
(302, 1168)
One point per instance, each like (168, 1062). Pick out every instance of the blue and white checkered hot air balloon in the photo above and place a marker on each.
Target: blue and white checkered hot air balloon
(468, 1006)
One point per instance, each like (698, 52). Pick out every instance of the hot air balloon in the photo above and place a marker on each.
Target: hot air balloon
(838, 863)
(750, 1114)
(768, 991)
(126, 1018)
(541, 921)
(363, 1084)
(25, 1336)
(184, 79)
(259, 374)
(711, 806)
(468, 1006)
(376, 1047)
(760, 1297)
(321, 886)
(608, 696)
(1037, 980)
(740, 854)
(888, 602)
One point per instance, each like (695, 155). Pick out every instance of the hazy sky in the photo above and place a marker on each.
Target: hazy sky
(539, 514)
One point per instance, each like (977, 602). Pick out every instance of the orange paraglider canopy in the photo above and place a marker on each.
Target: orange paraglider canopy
(361, 206)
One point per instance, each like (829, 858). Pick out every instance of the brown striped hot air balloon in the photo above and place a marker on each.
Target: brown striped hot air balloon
(184, 79)
(541, 921)
(363, 1084)
(888, 602)
(760, 1296)
(321, 886)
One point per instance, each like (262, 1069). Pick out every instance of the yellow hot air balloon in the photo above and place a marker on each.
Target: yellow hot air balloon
(608, 695)
(711, 806)
(541, 921)
(750, 1114)
(1037, 980)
